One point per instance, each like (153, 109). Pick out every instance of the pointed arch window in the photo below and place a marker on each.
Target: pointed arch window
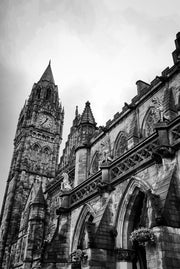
(35, 151)
(48, 93)
(38, 92)
(46, 150)
(46, 154)
(36, 148)
(95, 163)
(121, 144)
(150, 119)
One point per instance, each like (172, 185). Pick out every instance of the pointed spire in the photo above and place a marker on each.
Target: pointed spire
(87, 115)
(48, 75)
(76, 118)
(39, 198)
(76, 112)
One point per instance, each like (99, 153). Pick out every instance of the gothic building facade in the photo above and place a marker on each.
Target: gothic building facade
(113, 200)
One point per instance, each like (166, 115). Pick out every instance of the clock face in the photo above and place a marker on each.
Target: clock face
(45, 121)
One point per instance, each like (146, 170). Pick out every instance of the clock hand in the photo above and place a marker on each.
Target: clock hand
(44, 121)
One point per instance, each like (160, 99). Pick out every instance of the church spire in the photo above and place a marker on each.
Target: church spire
(48, 75)
(87, 115)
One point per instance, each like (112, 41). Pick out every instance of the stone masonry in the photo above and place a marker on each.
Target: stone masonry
(113, 199)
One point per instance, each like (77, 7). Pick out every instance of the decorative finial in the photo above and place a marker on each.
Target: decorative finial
(50, 62)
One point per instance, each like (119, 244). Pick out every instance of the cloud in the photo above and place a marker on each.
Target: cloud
(156, 29)
(98, 48)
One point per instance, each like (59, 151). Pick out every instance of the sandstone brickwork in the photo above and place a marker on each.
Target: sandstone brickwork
(113, 199)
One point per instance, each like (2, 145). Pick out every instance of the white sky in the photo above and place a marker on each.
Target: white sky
(98, 50)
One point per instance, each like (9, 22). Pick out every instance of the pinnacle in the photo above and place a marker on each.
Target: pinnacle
(39, 198)
(76, 112)
(87, 115)
(48, 75)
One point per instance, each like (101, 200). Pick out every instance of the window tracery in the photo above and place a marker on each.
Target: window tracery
(35, 151)
(151, 118)
(48, 93)
(95, 163)
(121, 144)
(36, 148)
(45, 154)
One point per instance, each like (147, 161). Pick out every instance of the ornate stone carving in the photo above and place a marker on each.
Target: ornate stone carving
(133, 160)
(104, 187)
(95, 163)
(85, 191)
(175, 133)
(125, 255)
(163, 151)
(155, 114)
(65, 185)
(158, 108)
(105, 150)
(121, 144)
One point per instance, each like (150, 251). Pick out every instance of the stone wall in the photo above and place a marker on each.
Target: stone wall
(165, 253)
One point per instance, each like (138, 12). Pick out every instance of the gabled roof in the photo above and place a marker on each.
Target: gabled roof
(87, 115)
(48, 75)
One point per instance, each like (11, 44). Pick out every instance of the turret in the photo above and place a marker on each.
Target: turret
(35, 230)
(86, 129)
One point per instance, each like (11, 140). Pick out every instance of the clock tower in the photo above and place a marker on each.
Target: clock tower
(35, 157)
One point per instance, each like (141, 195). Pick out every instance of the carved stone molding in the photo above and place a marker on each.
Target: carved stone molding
(62, 210)
(163, 151)
(125, 255)
(105, 187)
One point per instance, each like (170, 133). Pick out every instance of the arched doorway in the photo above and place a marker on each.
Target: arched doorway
(131, 216)
(136, 221)
(82, 237)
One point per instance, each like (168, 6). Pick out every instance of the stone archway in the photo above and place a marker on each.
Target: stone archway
(81, 238)
(84, 215)
(128, 218)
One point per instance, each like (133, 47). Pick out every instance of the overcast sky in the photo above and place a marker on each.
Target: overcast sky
(98, 50)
